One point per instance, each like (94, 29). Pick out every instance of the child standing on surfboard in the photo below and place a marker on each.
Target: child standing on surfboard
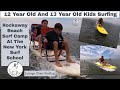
(56, 41)
(100, 22)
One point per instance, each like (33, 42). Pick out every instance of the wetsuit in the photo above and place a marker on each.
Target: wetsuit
(52, 36)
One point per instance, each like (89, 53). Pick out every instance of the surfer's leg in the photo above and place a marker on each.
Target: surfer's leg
(55, 47)
(104, 63)
(65, 44)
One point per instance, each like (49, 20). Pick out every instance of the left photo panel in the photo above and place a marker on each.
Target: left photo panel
(40, 48)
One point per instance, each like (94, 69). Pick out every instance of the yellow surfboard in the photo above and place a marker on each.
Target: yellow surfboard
(110, 66)
(101, 29)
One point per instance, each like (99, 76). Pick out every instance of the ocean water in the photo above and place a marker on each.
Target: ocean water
(89, 33)
(94, 72)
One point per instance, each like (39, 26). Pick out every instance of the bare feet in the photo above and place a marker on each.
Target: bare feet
(71, 61)
(58, 64)
(67, 64)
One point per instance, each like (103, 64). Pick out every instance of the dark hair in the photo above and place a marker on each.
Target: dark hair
(44, 20)
(100, 19)
(59, 26)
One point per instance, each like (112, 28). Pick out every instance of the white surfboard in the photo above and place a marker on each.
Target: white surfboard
(73, 69)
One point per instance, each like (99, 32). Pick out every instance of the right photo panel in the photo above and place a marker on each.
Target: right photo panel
(100, 48)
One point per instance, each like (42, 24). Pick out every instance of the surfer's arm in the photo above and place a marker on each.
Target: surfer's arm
(47, 35)
(61, 37)
(99, 60)
(99, 23)
(45, 39)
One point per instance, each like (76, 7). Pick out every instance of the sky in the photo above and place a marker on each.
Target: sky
(90, 52)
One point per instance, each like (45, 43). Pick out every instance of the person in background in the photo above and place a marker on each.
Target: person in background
(37, 36)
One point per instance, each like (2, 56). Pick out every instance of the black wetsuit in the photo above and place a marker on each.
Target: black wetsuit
(52, 36)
